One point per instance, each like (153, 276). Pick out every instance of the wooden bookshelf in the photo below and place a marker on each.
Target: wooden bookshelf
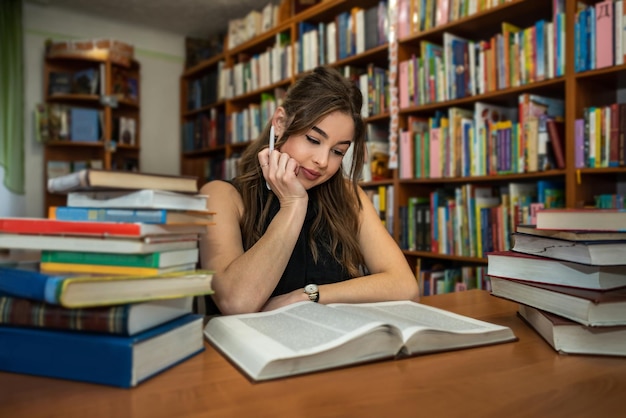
(111, 98)
(578, 90)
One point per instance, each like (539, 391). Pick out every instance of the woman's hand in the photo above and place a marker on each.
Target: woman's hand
(276, 302)
(281, 174)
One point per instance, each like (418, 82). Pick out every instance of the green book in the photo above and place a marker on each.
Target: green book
(156, 260)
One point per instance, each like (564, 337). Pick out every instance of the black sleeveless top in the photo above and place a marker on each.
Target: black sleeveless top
(301, 268)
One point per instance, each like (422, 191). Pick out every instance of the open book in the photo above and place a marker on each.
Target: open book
(306, 337)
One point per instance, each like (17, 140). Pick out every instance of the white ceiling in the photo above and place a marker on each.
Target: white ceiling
(194, 18)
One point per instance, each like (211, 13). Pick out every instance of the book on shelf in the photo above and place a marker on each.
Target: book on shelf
(586, 306)
(115, 360)
(59, 82)
(569, 337)
(556, 135)
(78, 291)
(514, 265)
(597, 251)
(92, 179)
(582, 219)
(146, 199)
(86, 81)
(154, 260)
(258, 345)
(141, 245)
(148, 216)
(125, 319)
(84, 124)
(49, 267)
(43, 226)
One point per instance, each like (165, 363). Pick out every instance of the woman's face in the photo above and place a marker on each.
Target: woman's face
(320, 151)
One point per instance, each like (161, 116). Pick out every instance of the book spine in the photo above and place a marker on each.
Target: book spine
(65, 213)
(113, 259)
(111, 270)
(25, 312)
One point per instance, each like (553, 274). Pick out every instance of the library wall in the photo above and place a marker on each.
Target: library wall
(161, 55)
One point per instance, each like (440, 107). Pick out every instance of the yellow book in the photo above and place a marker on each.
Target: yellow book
(108, 269)
(73, 290)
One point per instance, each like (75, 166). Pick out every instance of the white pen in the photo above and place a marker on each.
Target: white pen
(271, 148)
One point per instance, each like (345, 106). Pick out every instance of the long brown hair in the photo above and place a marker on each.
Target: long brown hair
(336, 226)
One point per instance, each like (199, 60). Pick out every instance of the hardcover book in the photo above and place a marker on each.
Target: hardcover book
(572, 235)
(569, 337)
(99, 358)
(141, 245)
(125, 319)
(140, 199)
(583, 219)
(593, 252)
(585, 306)
(92, 179)
(158, 260)
(78, 291)
(533, 268)
(50, 268)
(42, 226)
(322, 337)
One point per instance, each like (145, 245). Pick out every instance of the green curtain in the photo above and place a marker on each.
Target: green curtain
(12, 95)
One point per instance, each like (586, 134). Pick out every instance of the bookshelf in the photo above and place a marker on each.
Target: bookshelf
(513, 168)
(90, 117)
(251, 77)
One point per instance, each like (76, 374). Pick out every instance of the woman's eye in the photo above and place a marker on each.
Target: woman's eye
(339, 152)
(312, 140)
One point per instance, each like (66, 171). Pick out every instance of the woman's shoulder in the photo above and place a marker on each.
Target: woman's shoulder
(222, 195)
(218, 186)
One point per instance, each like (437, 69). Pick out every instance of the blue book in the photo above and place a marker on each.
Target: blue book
(84, 124)
(100, 358)
(146, 216)
(75, 291)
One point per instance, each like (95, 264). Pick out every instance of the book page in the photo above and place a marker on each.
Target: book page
(425, 328)
(300, 337)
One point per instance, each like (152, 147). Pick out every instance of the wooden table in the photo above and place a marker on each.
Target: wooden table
(523, 378)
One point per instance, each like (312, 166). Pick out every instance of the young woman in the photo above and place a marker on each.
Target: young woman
(291, 227)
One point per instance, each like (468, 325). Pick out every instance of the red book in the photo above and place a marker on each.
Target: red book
(556, 133)
(43, 226)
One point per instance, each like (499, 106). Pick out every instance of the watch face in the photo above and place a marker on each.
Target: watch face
(310, 288)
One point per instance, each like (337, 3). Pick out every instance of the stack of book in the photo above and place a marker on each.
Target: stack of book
(568, 272)
(112, 299)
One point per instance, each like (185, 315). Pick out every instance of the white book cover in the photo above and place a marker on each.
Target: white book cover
(147, 198)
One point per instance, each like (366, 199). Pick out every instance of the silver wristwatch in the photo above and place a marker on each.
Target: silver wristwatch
(312, 292)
